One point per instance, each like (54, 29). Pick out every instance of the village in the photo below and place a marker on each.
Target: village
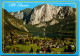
(38, 44)
(47, 43)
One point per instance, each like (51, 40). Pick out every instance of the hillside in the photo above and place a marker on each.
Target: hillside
(27, 10)
(60, 20)
(12, 21)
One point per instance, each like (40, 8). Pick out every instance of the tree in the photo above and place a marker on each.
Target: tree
(69, 49)
(31, 50)
(48, 49)
(20, 41)
(11, 34)
(37, 51)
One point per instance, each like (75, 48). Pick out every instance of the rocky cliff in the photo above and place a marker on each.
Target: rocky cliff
(45, 13)
(41, 14)
(21, 14)
(54, 19)
(18, 14)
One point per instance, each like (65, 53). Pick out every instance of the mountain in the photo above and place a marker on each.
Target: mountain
(45, 12)
(19, 14)
(22, 15)
(54, 19)
(10, 23)
(27, 10)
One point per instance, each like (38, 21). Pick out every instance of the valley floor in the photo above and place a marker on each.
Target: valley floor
(42, 46)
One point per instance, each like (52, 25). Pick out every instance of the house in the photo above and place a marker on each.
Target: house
(72, 45)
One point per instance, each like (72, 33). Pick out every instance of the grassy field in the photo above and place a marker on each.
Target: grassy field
(42, 38)
(25, 47)
(57, 50)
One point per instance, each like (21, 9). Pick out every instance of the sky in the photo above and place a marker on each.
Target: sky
(17, 6)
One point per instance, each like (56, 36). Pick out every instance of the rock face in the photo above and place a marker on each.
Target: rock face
(51, 18)
(18, 14)
(46, 12)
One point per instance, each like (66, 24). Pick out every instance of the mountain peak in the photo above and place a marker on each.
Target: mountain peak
(46, 12)
(46, 4)
(43, 13)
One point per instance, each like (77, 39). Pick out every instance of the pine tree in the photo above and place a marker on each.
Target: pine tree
(31, 50)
